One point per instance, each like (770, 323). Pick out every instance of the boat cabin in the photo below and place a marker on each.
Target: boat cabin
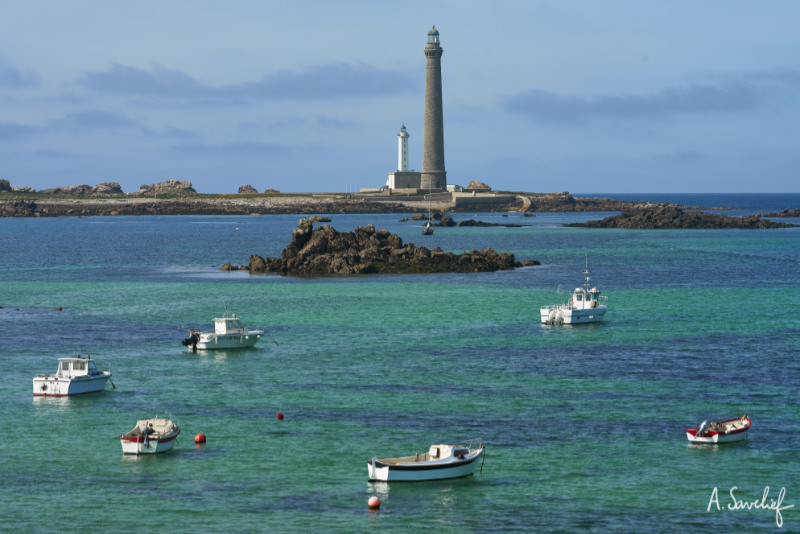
(441, 451)
(72, 367)
(585, 299)
(228, 325)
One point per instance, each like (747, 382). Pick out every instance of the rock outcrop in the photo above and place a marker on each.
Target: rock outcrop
(19, 208)
(475, 185)
(784, 213)
(449, 221)
(84, 190)
(167, 187)
(325, 251)
(670, 217)
(247, 189)
(5, 185)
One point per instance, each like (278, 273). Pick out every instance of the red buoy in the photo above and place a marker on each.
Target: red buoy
(374, 503)
(200, 438)
(280, 416)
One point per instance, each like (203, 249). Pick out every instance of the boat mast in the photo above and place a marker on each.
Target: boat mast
(586, 273)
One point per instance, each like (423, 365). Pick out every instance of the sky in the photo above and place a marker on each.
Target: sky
(540, 96)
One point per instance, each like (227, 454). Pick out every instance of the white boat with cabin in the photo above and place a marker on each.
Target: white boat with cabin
(229, 333)
(441, 462)
(585, 306)
(75, 376)
(150, 436)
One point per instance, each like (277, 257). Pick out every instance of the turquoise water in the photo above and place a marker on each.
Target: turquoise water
(583, 425)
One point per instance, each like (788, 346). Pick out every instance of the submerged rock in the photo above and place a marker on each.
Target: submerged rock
(325, 251)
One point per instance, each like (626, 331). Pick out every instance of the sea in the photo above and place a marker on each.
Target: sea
(584, 426)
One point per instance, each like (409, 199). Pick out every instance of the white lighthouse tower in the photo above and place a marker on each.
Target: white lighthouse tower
(402, 149)
(403, 177)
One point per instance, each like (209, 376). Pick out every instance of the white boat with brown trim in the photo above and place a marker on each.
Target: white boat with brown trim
(720, 431)
(150, 436)
(75, 376)
(442, 461)
(585, 306)
(229, 333)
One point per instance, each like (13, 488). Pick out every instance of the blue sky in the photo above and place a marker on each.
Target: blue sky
(586, 96)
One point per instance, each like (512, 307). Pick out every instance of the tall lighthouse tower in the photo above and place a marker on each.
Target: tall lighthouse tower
(433, 175)
(402, 149)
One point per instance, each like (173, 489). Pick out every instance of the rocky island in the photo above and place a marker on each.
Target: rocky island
(670, 217)
(326, 251)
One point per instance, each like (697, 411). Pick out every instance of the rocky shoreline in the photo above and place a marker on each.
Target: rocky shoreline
(175, 197)
(669, 217)
(324, 251)
(41, 205)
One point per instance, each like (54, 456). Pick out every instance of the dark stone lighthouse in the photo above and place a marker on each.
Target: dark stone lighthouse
(433, 175)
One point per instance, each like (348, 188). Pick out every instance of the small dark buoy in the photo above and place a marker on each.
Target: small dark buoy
(200, 438)
(374, 503)
(59, 308)
(280, 416)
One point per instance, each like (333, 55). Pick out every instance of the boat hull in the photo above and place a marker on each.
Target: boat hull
(557, 315)
(51, 386)
(422, 471)
(716, 438)
(137, 445)
(213, 341)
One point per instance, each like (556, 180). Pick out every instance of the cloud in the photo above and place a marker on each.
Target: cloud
(544, 106)
(685, 156)
(336, 80)
(778, 75)
(12, 130)
(16, 78)
(171, 133)
(236, 148)
(336, 124)
(94, 119)
(51, 154)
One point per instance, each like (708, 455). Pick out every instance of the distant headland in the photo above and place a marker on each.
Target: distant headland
(176, 197)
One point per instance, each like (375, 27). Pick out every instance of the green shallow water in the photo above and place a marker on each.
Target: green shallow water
(583, 425)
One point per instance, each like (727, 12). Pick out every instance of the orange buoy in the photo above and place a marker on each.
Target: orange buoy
(280, 416)
(200, 438)
(374, 503)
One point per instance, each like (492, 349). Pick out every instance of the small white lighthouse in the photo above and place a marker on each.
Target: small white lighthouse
(403, 178)
(402, 149)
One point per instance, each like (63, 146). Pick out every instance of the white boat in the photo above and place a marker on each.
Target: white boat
(428, 229)
(585, 306)
(75, 376)
(150, 436)
(442, 461)
(229, 333)
(720, 431)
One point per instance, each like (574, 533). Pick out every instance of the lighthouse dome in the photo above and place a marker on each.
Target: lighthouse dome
(433, 35)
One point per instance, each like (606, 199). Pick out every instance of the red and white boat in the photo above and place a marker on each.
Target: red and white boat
(150, 436)
(720, 431)
(75, 376)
